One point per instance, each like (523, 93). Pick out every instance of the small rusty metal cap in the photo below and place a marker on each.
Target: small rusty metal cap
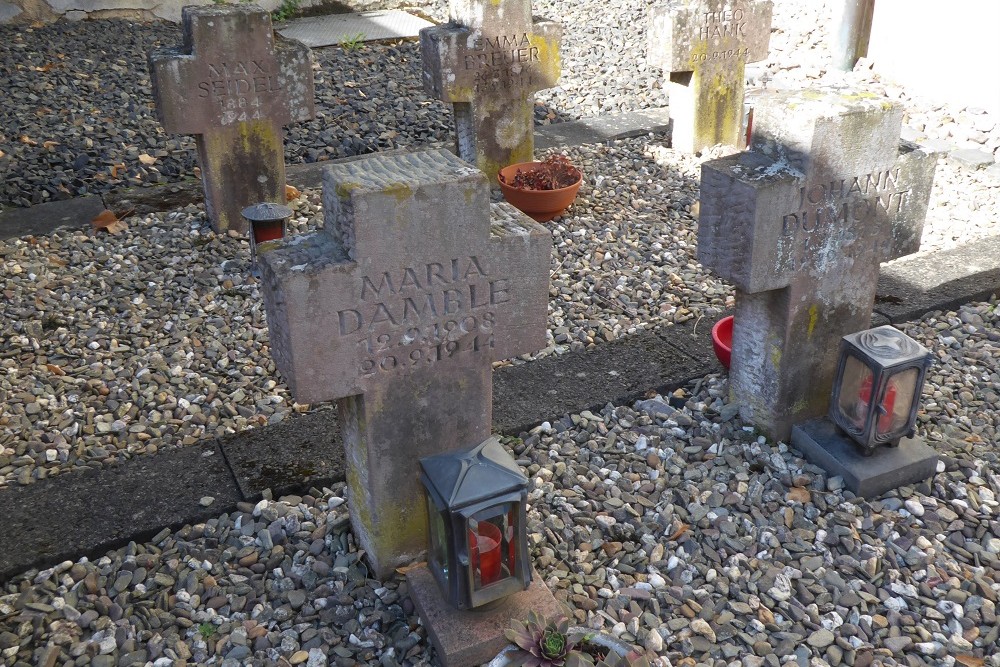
(266, 211)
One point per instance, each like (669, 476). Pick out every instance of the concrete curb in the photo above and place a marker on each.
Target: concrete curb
(87, 513)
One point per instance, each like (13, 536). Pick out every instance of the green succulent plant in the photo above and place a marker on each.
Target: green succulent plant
(540, 643)
(549, 643)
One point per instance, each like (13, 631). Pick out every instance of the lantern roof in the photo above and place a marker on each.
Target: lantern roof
(887, 345)
(267, 211)
(466, 477)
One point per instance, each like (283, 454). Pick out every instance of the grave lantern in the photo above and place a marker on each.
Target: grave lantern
(267, 222)
(478, 546)
(879, 378)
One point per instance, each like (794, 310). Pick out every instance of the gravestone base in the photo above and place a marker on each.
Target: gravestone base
(865, 476)
(466, 638)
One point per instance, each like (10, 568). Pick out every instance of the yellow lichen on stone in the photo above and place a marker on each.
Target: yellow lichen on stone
(344, 190)
(400, 191)
(775, 356)
(456, 93)
(549, 57)
(813, 316)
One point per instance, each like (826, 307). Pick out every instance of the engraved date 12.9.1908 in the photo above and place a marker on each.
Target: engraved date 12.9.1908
(399, 352)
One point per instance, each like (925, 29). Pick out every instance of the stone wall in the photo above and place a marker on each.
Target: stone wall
(27, 11)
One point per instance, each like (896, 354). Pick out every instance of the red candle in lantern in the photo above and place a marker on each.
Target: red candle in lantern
(885, 419)
(485, 548)
(268, 230)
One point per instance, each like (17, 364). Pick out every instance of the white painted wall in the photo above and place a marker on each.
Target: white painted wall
(945, 51)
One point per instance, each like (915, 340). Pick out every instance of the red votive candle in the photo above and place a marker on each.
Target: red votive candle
(268, 230)
(884, 420)
(485, 548)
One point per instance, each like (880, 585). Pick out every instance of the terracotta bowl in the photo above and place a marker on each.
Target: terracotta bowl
(722, 340)
(542, 205)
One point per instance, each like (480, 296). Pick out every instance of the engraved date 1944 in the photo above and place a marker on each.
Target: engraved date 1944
(427, 345)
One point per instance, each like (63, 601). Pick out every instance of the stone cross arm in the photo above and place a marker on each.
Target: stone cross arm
(685, 34)
(753, 231)
(229, 70)
(458, 59)
(411, 271)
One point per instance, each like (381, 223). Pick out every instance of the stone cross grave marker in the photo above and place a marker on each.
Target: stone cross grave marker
(397, 308)
(705, 45)
(799, 224)
(234, 86)
(488, 62)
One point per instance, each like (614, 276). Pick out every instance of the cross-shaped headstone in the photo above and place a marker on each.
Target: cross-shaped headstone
(799, 224)
(234, 87)
(705, 45)
(488, 62)
(397, 308)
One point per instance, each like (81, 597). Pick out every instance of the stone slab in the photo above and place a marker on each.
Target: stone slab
(86, 514)
(165, 197)
(334, 29)
(942, 280)
(466, 638)
(619, 372)
(46, 218)
(603, 128)
(865, 476)
(288, 457)
(970, 158)
(8, 11)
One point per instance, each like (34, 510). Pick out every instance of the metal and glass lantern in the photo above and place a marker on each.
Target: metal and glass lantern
(267, 222)
(478, 545)
(877, 389)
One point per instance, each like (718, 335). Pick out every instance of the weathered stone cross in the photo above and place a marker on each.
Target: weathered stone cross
(705, 45)
(488, 62)
(799, 224)
(234, 87)
(397, 308)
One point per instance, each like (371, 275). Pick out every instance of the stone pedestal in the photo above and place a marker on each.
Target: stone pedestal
(466, 638)
(866, 476)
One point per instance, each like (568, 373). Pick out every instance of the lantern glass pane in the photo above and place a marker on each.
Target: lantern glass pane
(899, 394)
(438, 538)
(491, 548)
(855, 392)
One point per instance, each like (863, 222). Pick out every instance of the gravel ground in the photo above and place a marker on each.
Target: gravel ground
(79, 110)
(666, 522)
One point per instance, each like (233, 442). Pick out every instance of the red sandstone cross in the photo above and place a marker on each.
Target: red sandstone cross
(705, 46)
(488, 62)
(235, 88)
(397, 309)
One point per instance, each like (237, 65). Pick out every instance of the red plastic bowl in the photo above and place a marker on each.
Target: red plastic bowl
(722, 340)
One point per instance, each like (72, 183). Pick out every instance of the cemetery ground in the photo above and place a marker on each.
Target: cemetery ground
(666, 520)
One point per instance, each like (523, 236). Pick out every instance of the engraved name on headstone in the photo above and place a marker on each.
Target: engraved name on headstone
(705, 46)
(234, 86)
(799, 224)
(488, 62)
(397, 309)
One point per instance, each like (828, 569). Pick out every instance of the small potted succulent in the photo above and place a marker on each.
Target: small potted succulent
(544, 189)
(540, 642)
